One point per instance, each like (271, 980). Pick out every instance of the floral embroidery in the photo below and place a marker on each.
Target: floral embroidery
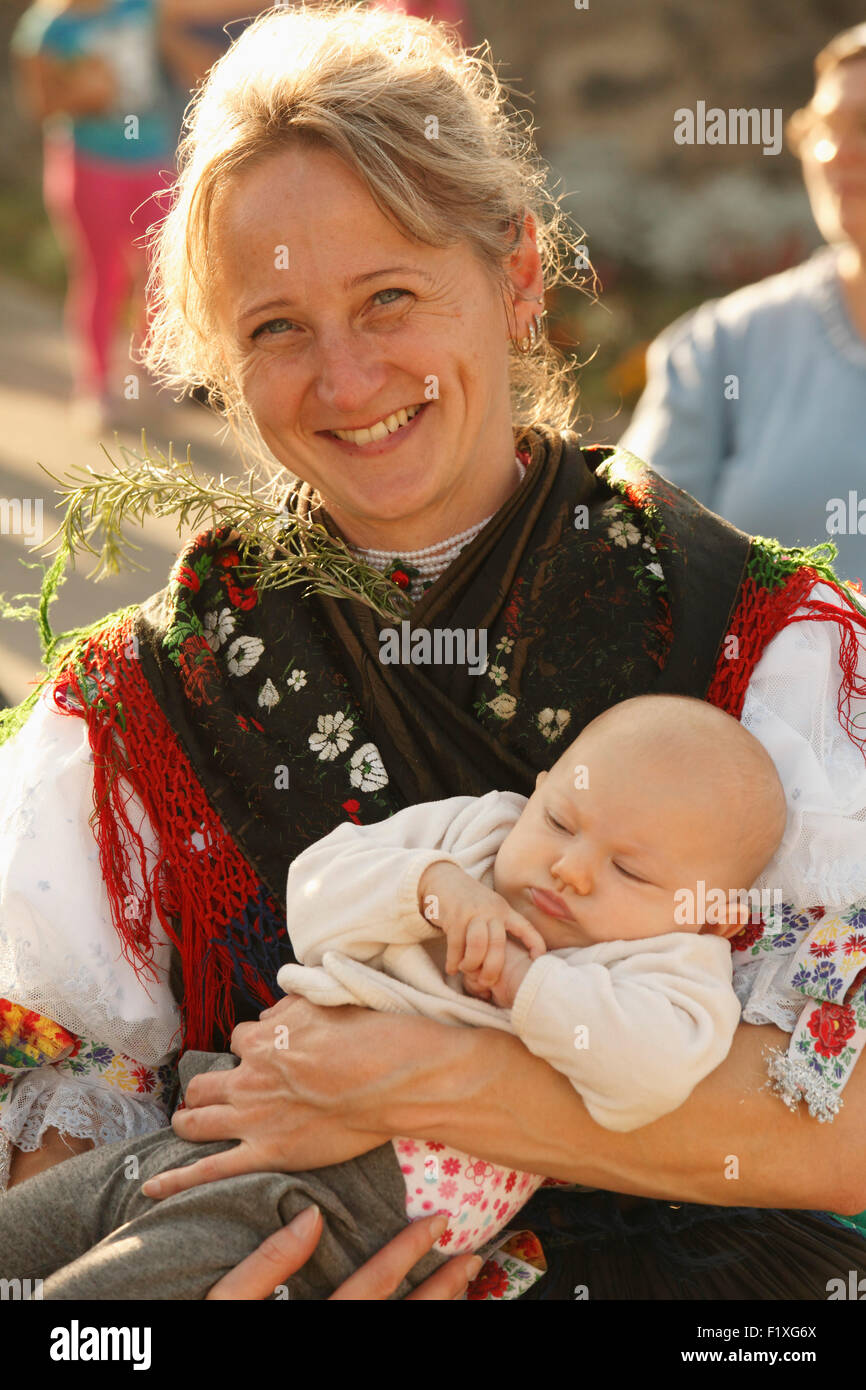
(503, 705)
(552, 722)
(367, 769)
(243, 654)
(297, 680)
(831, 1025)
(218, 627)
(269, 695)
(333, 737)
(623, 533)
(828, 966)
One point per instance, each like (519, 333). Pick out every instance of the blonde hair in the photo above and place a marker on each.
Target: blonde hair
(366, 84)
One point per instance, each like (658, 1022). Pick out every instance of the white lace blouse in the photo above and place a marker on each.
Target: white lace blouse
(60, 956)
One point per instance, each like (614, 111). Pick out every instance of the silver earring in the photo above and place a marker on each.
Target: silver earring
(528, 344)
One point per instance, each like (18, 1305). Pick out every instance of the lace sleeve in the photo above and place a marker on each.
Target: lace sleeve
(59, 952)
(804, 975)
(791, 707)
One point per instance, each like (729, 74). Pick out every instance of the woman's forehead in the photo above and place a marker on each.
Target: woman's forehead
(314, 207)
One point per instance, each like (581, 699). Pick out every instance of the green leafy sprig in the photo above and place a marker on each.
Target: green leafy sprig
(288, 549)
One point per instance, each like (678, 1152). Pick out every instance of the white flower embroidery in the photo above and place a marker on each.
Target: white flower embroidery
(498, 674)
(243, 654)
(623, 533)
(657, 570)
(269, 695)
(218, 627)
(648, 545)
(368, 771)
(503, 705)
(552, 722)
(505, 645)
(334, 736)
(296, 680)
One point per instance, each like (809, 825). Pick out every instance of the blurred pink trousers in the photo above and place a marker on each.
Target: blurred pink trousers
(97, 209)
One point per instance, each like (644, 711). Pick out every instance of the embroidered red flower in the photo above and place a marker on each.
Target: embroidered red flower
(512, 610)
(198, 669)
(822, 949)
(144, 1077)
(747, 937)
(855, 943)
(816, 913)
(492, 1282)
(400, 578)
(510, 1181)
(527, 1244)
(188, 578)
(446, 1237)
(352, 808)
(239, 597)
(245, 723)
(831, 1025)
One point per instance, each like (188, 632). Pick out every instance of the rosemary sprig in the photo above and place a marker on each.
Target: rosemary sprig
(288, 550)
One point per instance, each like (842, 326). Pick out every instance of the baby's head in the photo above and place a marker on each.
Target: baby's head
(658, 795)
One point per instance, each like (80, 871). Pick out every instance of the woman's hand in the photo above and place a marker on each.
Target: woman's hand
(308, 1082)
(283, 1253)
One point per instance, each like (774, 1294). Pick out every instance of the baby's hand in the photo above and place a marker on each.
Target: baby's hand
(476, 921)
(504, 991)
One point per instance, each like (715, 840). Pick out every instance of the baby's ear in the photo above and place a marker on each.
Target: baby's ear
(539, 779)
(740, 914)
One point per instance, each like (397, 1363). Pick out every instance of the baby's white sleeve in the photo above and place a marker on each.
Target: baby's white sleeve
(356, 889)
(634, 1025)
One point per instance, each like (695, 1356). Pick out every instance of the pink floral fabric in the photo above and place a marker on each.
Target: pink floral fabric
(479, 1197)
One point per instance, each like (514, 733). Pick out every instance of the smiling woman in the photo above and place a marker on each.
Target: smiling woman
(360, 227)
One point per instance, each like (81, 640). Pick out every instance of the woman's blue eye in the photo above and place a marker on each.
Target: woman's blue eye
(391, 291)
(261, 328)
(265, 326)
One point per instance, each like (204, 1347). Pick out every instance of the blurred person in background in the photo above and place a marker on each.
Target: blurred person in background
(85, 68)
(756, 403)
(195, 33)
(442, 11)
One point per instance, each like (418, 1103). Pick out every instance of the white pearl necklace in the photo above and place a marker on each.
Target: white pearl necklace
(431, 561)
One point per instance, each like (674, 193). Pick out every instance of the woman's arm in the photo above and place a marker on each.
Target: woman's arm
(350, 1079)
(484, 1093)
(48, 86)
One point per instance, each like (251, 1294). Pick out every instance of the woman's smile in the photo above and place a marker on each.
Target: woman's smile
(387, 442)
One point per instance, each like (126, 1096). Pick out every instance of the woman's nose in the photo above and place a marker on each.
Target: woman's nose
(348, 371)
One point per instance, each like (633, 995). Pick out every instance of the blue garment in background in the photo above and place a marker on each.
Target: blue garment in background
(771, 457)
(124, 34)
